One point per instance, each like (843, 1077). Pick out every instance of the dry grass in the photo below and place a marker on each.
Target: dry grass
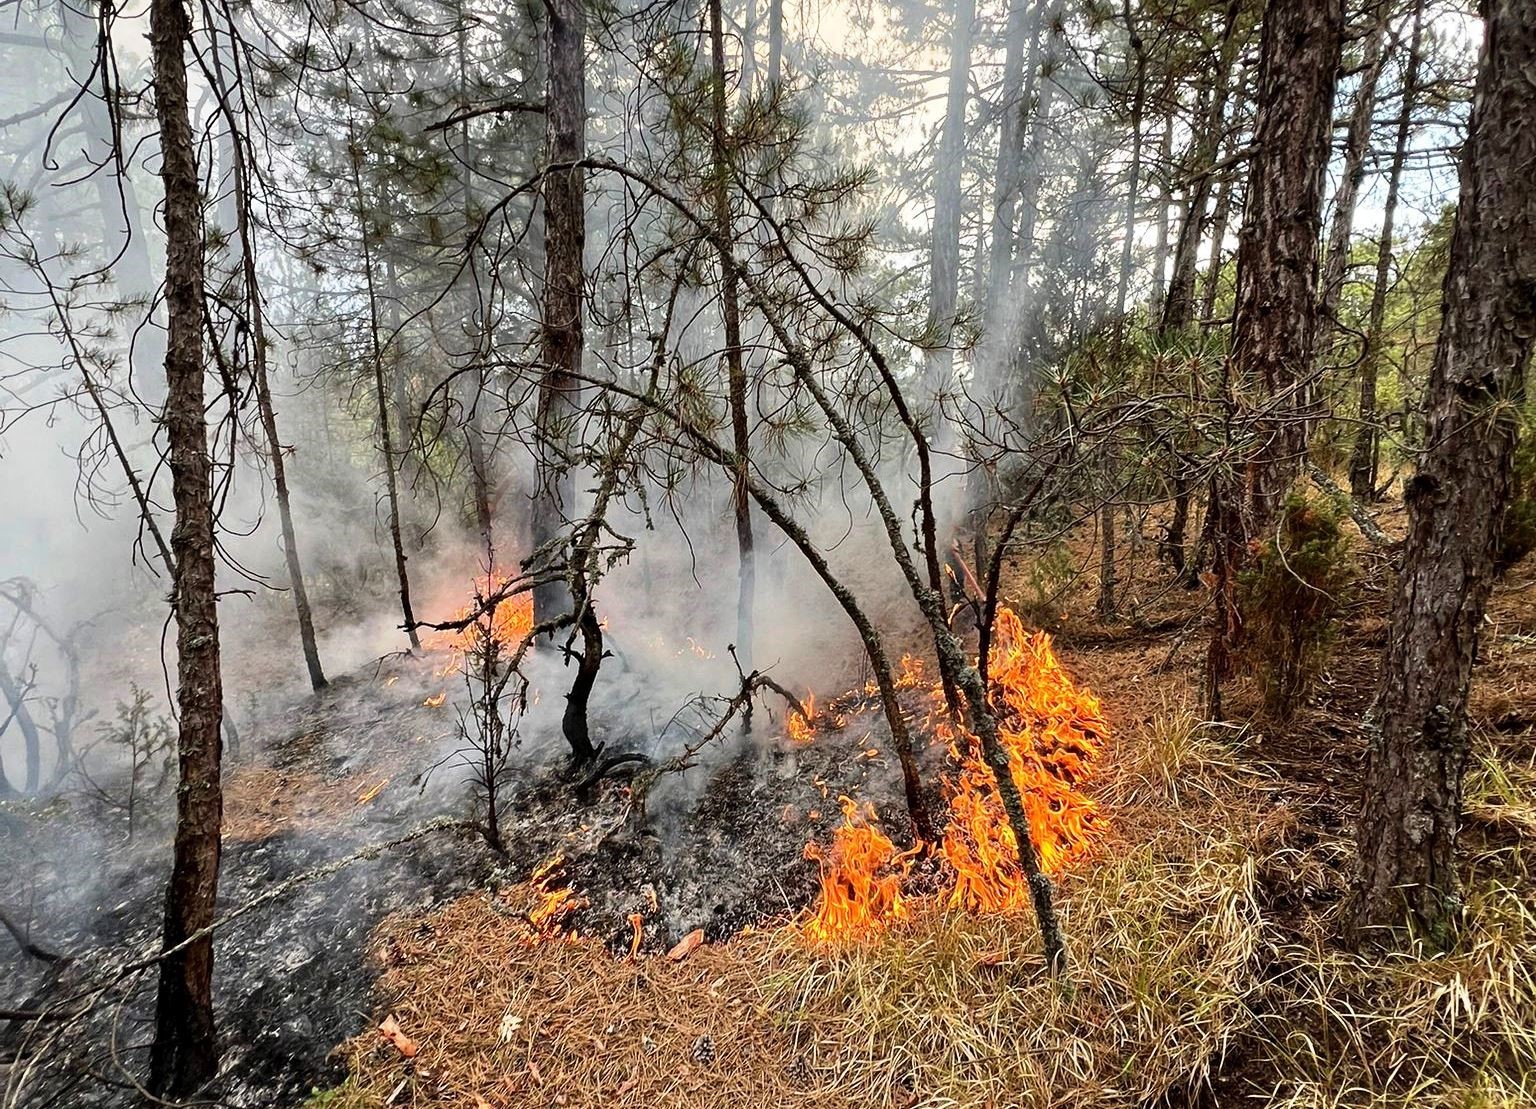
(1180, 973)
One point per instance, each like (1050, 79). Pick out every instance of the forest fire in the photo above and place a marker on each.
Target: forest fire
(862, 875)
(509, 621)
(1052, 731)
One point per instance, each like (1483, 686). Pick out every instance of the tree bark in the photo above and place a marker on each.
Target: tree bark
(561, 337)
(184, 1056)
(1362, 462)
(730, 310)
(944, 247)
(1221, 216)
(1179, 304)
(1271, 364)
(1133, 177)
(381, 398)
(241, 179)
(1357, 144)
(1412, 795)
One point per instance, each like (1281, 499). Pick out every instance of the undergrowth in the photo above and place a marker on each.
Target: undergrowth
(1180, 977)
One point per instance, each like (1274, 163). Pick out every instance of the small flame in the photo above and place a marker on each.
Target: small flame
(802, 729)
(862, 874)
(509, 622)
(436, 700)
(371, 792)
(552, 903)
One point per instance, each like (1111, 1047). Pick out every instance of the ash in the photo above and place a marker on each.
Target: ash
(718, 846)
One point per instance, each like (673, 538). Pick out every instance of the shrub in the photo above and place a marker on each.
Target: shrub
(1291, 600)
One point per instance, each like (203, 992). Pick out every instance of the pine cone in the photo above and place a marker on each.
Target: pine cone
(703, 1051)
(799, 1071)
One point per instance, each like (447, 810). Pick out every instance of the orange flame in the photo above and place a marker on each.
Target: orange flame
(511, 620)
(1052, 731)
(802, 729)
(862, 875)
(552, 904)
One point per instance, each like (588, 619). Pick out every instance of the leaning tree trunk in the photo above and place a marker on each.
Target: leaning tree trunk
(730, 310)
(184, 1056)
(1273, 326)
(381, 401)
(561, 340)
(239, 172)
(1362, 462)
(1412, 796)
(1133, 176)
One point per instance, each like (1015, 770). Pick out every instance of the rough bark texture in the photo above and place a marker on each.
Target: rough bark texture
(1411, 810)
(1270, 367)
(561, 332)
(1274, 321)
(185, 1052)
(1362, 462)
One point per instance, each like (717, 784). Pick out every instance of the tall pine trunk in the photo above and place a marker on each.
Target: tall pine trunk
(730, 310)
(1362, 462)
(1271, 364)
(1412, 797)
(948, 198)
(1357, 144)
(561, 337)
(184, 1056)
(381, 398)
(1179, 304)
(240, 175)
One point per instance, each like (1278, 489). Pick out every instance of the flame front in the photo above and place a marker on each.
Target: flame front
(1052, 731)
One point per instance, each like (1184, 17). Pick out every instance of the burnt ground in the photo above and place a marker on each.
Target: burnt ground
(366, 761)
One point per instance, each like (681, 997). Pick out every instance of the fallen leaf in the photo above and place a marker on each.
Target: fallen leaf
(627, 1085)
(533, 1070)
(390, 1030)
(687, 945)
(481, 1103)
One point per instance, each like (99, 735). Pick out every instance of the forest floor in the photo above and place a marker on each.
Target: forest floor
(1203, 925)
(1207, 967)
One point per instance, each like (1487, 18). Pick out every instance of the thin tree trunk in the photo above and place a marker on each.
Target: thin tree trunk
(1164, 199)
(1178, 307)
(15, 696)
(381, 399)
(1033, 170)
(561, 338)
(184, 1055)
(480, 464)
(1133, 177)
(1221, 216)
(1357, 144)
(1274, 321)
(730, 310)
(1362, 462)
(1413, 778)
(944, 245)
(256, 310)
